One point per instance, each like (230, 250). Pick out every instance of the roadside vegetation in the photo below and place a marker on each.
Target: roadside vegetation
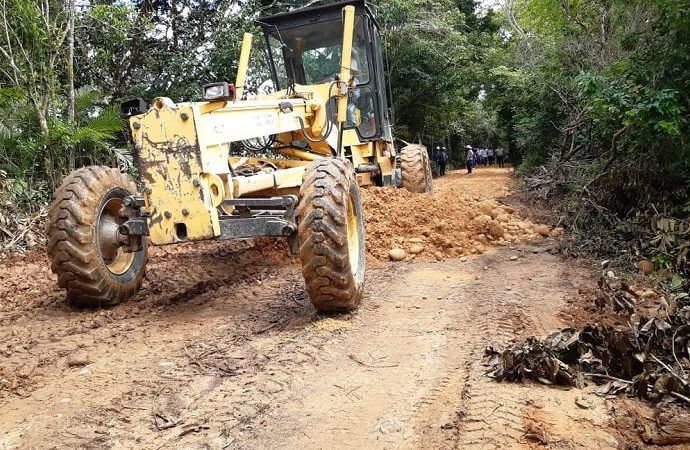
(592, 99)
(595, 104)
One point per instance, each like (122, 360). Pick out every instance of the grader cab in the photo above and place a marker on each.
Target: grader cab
(286, 164)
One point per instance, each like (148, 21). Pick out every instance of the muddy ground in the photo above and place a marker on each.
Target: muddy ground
(222, 350)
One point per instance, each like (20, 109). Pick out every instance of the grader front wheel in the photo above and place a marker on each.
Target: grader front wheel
(416, 169)
(85, 252)
(331, 235)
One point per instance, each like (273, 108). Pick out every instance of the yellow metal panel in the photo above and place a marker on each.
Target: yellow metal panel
(386, 165)
(364, 179)
(360, 153)
(241, 120)
(301, 154)
(346, 57)
(285, 178)
(244, 63)
(244, 120)
(350, 137)
(168, 159)
(366, 150)
(315, 117)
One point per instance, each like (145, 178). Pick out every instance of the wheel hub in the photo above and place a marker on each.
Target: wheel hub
(109, 240)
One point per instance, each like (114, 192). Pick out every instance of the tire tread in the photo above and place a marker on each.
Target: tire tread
(416, 169)
(322, 229)
(70, 230)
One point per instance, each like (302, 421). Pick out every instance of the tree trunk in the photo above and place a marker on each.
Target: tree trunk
(41, 110)
(70, 78)
(43, 122)
(70, 62)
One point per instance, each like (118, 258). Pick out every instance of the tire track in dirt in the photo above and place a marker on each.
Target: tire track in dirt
(357, 385)
(169, 378)
(441, 411)
(491, 420)
(473, 416)
(523, 302)
(493, 413)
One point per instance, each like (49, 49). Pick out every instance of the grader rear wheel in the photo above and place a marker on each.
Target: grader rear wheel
(416, 169)
(331, 235)
(83, 246)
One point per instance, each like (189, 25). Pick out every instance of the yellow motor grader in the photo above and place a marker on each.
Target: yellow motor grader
(326, 129)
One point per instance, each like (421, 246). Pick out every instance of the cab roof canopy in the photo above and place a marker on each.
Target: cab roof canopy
(306, 16)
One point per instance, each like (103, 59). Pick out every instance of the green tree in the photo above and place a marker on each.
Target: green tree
(31, 44)
(436, 53)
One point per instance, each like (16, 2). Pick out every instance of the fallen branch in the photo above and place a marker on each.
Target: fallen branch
(379, 366)
(680, 397)
(670, 370)
(607, 377)
(614, 155)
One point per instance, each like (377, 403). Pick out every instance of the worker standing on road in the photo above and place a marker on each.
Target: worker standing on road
(470, 158)
(499, 156)
(441, 160)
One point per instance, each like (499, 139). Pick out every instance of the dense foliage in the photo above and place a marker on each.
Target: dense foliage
(594, 96)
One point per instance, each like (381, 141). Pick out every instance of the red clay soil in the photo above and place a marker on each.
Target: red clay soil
(221, 348)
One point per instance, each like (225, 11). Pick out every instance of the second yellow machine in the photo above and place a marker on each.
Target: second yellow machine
(304, 151)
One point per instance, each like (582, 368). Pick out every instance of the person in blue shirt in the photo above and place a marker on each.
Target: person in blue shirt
(441, 160)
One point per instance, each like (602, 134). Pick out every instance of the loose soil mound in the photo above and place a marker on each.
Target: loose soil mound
(461, 217)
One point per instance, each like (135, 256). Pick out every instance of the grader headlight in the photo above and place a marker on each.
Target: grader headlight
(219, 91)
(133, 107)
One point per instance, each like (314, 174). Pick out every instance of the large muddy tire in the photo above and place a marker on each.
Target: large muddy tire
(331, 235)
(416, 169)
(84, 253)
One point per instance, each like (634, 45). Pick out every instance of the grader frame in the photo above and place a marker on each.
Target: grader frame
(100, 227)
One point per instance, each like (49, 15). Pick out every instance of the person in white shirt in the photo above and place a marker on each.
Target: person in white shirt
(470, 159)
(482, 156)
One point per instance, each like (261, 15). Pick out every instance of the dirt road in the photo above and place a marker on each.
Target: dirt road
(221, 349)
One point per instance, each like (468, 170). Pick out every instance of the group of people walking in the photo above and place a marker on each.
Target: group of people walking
(474, 158)
(483, 156)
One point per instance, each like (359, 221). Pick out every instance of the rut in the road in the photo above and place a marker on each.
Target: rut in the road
(484, 416)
